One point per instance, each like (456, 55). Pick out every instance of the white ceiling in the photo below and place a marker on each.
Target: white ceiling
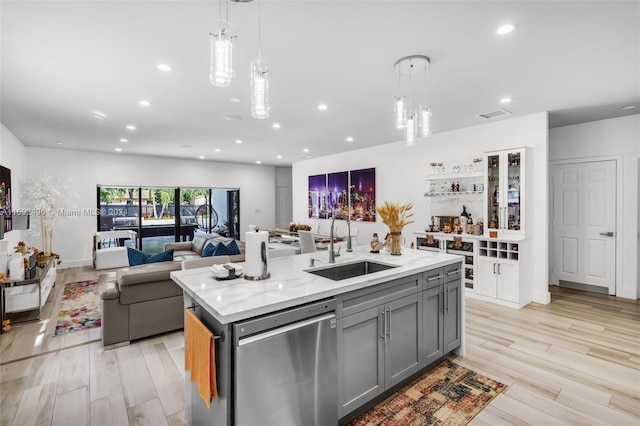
(63, 60)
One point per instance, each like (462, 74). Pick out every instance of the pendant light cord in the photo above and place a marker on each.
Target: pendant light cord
(259, 34)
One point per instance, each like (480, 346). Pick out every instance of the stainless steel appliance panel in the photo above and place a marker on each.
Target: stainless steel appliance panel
(288, 375)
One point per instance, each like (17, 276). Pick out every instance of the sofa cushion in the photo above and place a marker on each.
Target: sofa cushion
(198, 244)
(229, 249)
(146, 273)
(137, 257)
(209, 249)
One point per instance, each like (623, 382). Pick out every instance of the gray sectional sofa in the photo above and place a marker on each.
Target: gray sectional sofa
(141, 301)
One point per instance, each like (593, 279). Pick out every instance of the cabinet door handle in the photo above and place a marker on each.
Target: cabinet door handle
(389, 329)
(383, 322)
(498, 269)
(434, 277)
(446, 301)
(457, 271)
(442, 291)
(494, 268)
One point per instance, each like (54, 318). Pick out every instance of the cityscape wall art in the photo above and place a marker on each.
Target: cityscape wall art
(351, 193)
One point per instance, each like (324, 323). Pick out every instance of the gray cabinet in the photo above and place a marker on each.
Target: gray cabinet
(378, 346)
(360, 358)
(441, 312)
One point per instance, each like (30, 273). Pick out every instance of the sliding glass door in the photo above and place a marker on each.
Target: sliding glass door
(154, 214)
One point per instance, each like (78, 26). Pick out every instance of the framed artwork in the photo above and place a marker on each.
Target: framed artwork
(338, 194)
(363, 195)
(318, 208)
(5, 199)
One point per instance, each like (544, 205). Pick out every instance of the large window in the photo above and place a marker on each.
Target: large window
(154, 214)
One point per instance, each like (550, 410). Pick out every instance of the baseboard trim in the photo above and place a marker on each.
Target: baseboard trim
(585, 287)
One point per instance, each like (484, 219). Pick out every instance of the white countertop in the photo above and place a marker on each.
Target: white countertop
(290, 285)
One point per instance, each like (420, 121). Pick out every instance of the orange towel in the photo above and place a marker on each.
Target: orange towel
(199, 356)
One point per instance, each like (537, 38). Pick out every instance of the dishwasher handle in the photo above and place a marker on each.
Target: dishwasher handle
(267, 334)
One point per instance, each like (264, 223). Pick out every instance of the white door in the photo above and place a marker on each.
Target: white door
(584, 223)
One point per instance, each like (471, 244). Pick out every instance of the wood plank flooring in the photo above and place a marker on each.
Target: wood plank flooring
(574, 361)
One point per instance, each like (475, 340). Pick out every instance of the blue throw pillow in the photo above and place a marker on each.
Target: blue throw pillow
(208, 250)
(227, 249)
(165, 256)
(137, 257)
(233, 246)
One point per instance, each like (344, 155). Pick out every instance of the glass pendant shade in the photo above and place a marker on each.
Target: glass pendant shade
(425, 121)
(221, 72)
(400, 114)
(259, 90)
(410, 129)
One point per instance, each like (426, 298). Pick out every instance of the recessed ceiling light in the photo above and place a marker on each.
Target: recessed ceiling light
(278, 156)
(144, 102)
(258, 162)
(349, 139)
(232, 117)
(201, 157)
(131, 127)
(164, 67)
(628, 107)
(59, 142)
(322, 107)
(118, 149)
(238, 141)
(276, 125)
(217, 149)
(305, 150)
(235, 100)
(505, 100)
(123, 140)
(506, 29)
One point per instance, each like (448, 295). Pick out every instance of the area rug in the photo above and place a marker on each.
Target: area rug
(79, 309)
(447, 395)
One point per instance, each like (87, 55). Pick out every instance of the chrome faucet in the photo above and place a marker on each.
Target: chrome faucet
(333, 254)
(349, 249)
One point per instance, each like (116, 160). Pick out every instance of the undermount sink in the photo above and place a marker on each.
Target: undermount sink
(350, 270)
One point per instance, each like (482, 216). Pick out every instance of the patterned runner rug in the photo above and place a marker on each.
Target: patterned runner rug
(447, 395)
(79, 309)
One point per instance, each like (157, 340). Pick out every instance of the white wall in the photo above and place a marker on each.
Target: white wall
(74, 240)
(12, 156)
(401, 174)
(603, 139)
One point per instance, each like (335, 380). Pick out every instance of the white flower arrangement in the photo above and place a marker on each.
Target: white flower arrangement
(45, 197)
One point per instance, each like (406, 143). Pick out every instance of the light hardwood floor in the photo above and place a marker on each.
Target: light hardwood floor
(574, 361)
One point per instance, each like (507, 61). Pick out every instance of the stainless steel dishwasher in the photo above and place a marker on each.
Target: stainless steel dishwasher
(285, 368)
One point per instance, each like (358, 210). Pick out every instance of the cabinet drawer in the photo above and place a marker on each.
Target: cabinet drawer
(369, 297)
(452, 272)
(433, 278)
(22, 297)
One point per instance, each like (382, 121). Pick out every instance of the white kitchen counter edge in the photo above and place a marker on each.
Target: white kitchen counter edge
(289, 285)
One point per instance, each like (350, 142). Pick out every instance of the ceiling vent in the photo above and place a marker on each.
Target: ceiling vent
(493, 114)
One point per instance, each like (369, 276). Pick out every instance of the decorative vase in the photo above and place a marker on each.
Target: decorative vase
(396, 243)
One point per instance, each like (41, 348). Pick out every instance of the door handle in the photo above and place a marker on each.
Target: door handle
(498, 269)
(389, 328)
(607, 234)
(446, 301)
(494, 268)
(442, 291)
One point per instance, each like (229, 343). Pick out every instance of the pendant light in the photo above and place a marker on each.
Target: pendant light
(221, 67)
(259, 82)
(415, 123)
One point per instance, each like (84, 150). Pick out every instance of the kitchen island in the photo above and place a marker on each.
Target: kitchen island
(335, 345)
